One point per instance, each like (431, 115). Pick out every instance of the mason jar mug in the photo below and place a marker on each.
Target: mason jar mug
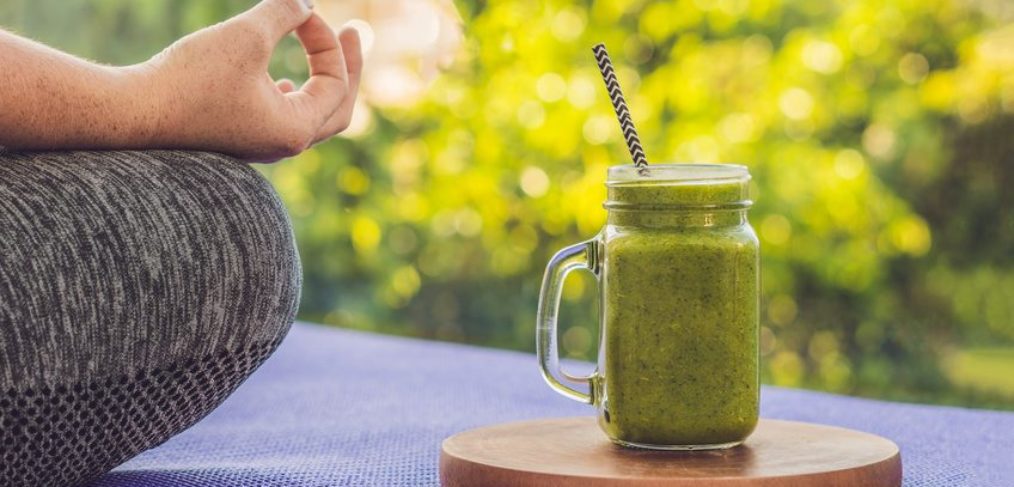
(678, 277)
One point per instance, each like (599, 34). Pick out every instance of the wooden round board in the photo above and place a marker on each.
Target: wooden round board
(566, 452)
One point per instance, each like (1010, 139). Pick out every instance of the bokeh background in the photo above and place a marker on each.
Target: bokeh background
(880, 136)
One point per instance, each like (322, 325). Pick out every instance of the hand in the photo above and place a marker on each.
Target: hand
(213, 92)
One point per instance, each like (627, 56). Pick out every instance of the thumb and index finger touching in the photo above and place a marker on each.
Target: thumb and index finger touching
(279, 17)
(329, 82)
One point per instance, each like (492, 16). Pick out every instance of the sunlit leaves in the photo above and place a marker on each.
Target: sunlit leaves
(504, 160)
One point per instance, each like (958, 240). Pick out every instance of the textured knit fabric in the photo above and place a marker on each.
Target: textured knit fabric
(137, 290)
(341, 408)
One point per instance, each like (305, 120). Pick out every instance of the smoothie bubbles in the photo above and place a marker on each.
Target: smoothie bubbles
(678, 273)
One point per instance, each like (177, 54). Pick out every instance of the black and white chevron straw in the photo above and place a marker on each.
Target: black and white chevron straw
(622, 112)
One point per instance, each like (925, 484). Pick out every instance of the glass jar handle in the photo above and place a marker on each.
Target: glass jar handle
(578, 256)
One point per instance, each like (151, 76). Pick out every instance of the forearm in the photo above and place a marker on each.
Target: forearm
(52, 100)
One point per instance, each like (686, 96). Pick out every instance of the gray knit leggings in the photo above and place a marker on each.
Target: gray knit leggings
(137, 291)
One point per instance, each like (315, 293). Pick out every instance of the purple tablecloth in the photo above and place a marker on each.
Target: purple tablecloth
(335, 407)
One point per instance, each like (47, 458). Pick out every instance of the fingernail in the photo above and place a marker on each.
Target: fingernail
(309, 3)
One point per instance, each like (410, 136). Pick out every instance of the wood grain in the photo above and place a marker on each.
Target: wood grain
(568, 452)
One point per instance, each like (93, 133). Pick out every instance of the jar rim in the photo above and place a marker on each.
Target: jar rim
(678, 173)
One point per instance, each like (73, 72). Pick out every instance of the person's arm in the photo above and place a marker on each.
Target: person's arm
(208, 91)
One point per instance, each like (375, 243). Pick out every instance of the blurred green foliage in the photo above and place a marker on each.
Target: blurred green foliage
(987, 369)
(878, 135)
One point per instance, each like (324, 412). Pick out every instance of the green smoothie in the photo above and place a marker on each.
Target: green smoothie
(680, 314)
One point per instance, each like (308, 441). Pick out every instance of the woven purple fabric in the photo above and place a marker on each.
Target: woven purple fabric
(336, 408)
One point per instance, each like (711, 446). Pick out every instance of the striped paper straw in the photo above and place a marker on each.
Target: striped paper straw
(622, 112)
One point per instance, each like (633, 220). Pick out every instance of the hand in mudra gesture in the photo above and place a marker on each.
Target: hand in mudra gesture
(208, 91)
(220, 97)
